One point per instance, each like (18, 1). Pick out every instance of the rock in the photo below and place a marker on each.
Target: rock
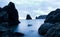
(53, 32)
(3, 17)
(1, 33)
(0, 8)
(41, 17)
(28, 17)
(29, 25)
(10, 34)
(53, 16)
(12, 13)
(3, 28)
(15, 34)
(44, 28)
(51, 26)
(9, 14)
(18, 34)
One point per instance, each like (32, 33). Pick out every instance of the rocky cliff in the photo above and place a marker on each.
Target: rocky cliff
(51, 26)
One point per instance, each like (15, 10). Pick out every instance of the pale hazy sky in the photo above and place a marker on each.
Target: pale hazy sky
(33, 7)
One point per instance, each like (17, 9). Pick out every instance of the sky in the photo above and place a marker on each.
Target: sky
(33, 7)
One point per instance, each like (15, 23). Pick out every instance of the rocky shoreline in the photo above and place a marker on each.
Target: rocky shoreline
(51, 26)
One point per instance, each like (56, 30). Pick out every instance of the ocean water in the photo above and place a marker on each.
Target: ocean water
(30, 27)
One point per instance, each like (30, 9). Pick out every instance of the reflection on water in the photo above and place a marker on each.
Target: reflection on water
(30, 27)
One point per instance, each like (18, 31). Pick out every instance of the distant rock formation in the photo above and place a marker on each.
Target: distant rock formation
(51, 26)
(41, 17)
(28, 17)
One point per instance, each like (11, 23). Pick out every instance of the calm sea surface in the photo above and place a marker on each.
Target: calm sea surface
(30, 27)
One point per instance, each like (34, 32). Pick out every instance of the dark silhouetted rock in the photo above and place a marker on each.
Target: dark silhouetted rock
(41, 17)
(8, 19)
(53, 32)
(29, 25)
(3, 18)
(9, 14)
(1, 33)
(10, 34)
(0, 9)
(18, 34)
(15, 34)
(51, 26)
(53, 16)
(44, 28)
(28, 17)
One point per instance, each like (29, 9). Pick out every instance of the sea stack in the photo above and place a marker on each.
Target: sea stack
(28, 17)
(8, 20)
(12, 14)
(9, 15)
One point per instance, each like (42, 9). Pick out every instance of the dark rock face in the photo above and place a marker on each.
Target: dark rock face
(51, 26)
(53, 32)
(44, 28)
(0, 9)
(10, 34)
(28, 17)
(29, 25)
(18, 34)
(8, 19)
(6, 32)
(41, 17)
(9, 14)
(53, 17)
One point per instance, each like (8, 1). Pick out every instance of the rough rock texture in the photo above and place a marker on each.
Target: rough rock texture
(44, 28)
(53, 16)
(51, 26)
(10, 34)
(28, 17)
(9, 14)
(8, 19)
(0, 8)
(41, 17)
(54, 31)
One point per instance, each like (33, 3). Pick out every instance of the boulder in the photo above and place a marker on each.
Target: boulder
(53, 32)
(17, 34)
(28, 17)
(44, 28)
(29, 25)
(0, 8)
